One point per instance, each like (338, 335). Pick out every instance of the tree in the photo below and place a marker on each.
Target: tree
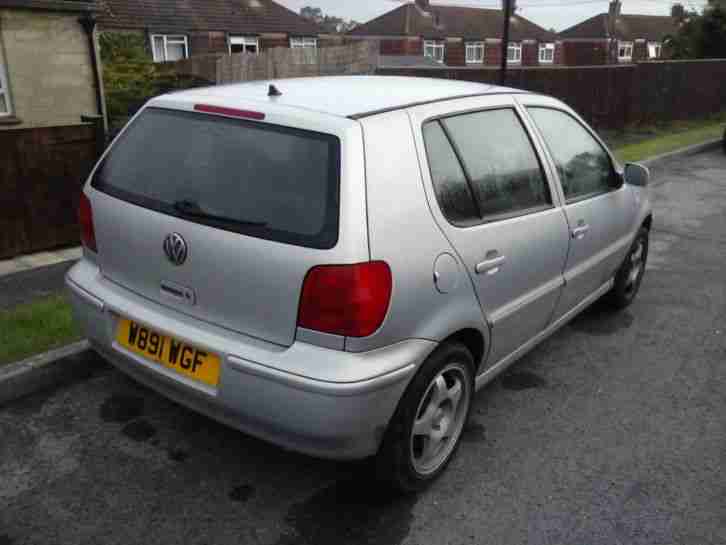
(701, 35)
(330, 24)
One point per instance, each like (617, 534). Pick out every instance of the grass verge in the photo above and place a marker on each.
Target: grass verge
(644, 143)
(36, 327)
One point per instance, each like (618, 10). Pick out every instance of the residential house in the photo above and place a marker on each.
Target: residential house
(49, 78)
(48, 70)
(614, 37)
(178, 29)
(459, 36)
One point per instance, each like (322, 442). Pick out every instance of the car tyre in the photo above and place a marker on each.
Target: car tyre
(426, 429)
(630, 274)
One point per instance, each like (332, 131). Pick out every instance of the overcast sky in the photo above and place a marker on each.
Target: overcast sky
(557, 14)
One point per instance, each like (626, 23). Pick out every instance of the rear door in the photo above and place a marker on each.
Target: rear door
(255, 204)
(599, 208)
(491, 196)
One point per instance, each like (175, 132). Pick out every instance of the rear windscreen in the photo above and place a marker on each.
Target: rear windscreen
(253, 178)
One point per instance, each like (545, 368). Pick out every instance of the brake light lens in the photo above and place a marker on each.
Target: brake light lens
(231, 112)
(350, 300)
(85, 220)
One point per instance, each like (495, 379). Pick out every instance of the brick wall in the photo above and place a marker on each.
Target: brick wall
(560, 53)
(269, 43)
(585, 53)
(49, 69)
(492, 53)
(455, 53)
(530, 54)
(204, 43)
(402, 46)
(613, 96)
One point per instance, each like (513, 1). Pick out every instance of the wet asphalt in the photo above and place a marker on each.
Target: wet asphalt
(611, 432)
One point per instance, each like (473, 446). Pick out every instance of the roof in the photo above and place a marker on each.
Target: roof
(451, 21)
(239, 16)
(627, 27)
(51, 5)
(343, 96)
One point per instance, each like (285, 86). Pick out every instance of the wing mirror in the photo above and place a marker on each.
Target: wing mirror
(636, 175)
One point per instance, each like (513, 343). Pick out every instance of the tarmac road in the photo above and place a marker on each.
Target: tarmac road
(611, 432)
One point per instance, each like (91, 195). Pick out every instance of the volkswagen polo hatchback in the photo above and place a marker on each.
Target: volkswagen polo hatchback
(336, 264)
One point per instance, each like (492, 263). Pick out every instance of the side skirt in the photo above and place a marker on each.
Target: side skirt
(491, 373)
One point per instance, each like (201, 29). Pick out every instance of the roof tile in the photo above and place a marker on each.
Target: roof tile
(238, 16)
(451, 21)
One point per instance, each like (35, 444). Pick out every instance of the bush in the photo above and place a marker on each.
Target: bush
(130, 76)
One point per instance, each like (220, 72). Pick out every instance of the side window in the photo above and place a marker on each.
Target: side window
(583, 165)
(499, 161)
(450, 185)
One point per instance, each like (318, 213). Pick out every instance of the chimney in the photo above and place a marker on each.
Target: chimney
(423, 4)
(678, 12)
(615, 7)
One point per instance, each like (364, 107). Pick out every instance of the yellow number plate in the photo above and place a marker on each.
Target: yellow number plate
(179, 356)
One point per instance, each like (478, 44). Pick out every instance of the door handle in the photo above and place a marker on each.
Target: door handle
(579, 231)
(490, 266)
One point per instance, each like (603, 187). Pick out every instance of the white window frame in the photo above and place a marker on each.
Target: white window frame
(658, 49)
(244, 41)
(175, 39)
(627, 49)
(516, 49)
(544, 48)
(472, 49)
(308, 45)
(303, 43)
(5, 90)
(435, 49)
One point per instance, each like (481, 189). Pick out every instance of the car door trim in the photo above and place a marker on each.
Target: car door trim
(502, 313)
(490, 373)
(593, 261)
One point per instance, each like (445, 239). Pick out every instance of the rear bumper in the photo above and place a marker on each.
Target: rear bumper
(341, 413)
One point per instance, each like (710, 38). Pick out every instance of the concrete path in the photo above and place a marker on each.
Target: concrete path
(26, 278)
(611, 432)
(39, 260)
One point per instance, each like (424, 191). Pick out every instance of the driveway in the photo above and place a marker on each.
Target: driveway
(613, 431)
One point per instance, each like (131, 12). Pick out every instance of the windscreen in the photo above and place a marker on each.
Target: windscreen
(253, 178)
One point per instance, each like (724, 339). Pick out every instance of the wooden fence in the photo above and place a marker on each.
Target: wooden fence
(612, 97)
(359, 58)
(43, 171)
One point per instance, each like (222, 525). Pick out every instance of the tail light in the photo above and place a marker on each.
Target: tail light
(350, 300)
(85, 220)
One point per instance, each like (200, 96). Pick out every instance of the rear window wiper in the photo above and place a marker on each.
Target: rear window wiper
(192, 209)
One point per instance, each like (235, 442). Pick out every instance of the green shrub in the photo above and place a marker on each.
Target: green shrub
(130, 76)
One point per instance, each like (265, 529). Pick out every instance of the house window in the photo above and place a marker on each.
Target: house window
(434, 50)
(475, 53)
(169, 47)
(5, 108)
(244, 44)
(309, 47)
(546, 53)
(625, 51)
(514, 52)
(654, 50)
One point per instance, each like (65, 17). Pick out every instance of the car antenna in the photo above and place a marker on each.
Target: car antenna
(273, 91)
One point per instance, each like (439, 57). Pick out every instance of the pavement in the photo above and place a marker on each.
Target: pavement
(38, 260)
(611, 432)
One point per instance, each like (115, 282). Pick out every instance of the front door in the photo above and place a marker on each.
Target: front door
(492, 199)
(599, 209)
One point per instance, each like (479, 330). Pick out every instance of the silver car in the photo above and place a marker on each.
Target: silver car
(336, 264)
